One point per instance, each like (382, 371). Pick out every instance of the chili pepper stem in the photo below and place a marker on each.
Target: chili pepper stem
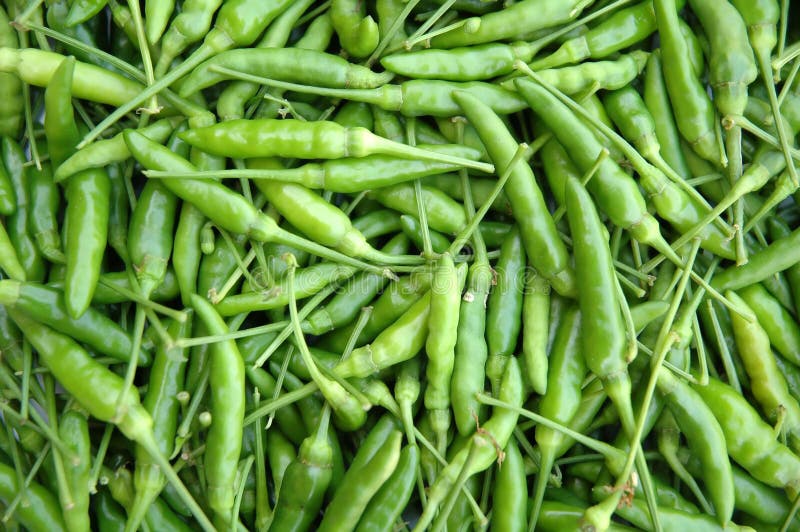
(203, 52)
(763, 63)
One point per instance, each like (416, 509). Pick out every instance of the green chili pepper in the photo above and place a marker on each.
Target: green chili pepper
(515, 21)
(161, 401)
(413, 229)
(359, 35)
(706, 439)
(504, 307)
(560, 403)
(42, 512)
(694, 113)
(622, 29)
(750, 440)
(224, 440)
(305, 481)
(188, 27)
(391, 499)
(48, 306)
(344, 307)
(372, 466)
(776, 321)
(443, 317)
(11, 108)
(295, 65)
(510, 492)
(499, 427)
(43, 215)
(536, 226)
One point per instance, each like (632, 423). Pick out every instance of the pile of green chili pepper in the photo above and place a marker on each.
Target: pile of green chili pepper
(399, 265)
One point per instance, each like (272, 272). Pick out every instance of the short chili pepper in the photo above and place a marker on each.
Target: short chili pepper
(188, 27)
(372, 466)
(42, 512)
(353, 174)
(43, 217)
(706, 439)
(750, 440)
(622, 29)
(504, 307)
(444, 214)
(11, 108)
(392, 498)
(775, 319)
(767, 383)
(73, 429)
(358, 34)
(305, 481)
(515, 21)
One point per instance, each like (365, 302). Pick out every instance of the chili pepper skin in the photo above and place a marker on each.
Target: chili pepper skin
(392, 498)
(90, 82)
(607, 74)
(778, 256)
(45, 202)
(150, 234)
(188, 27)
(512, 22)
(48, 306)
(359, 35)
(396, 299)
(73, 430)
(156, 18)
(42, 512)
(161, 401)
(11, 108)
(504, 307)
(776, 321)
(17, 224)
(109, 515)
(657, 102)
(105, 294)
(536, 226)
(469, 371)
(280, 453)
(562, 400)
(622, 29)
(444, 214)
(557, 516)
(224, 440)
(731, 65)
(8, 200)
(397, 343)
(9, 262)
(706, 439)
(693, 110)
(372, 466)
(308, 281)
(610, 184)
(83, 10)
(304, 483)
(413, 229)
(767, 383)
(472, 63)
(295, 138)
(103, 153)
(510, 492)
(441, 342)
(295, 65)
(750, 440)
(159, 515)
